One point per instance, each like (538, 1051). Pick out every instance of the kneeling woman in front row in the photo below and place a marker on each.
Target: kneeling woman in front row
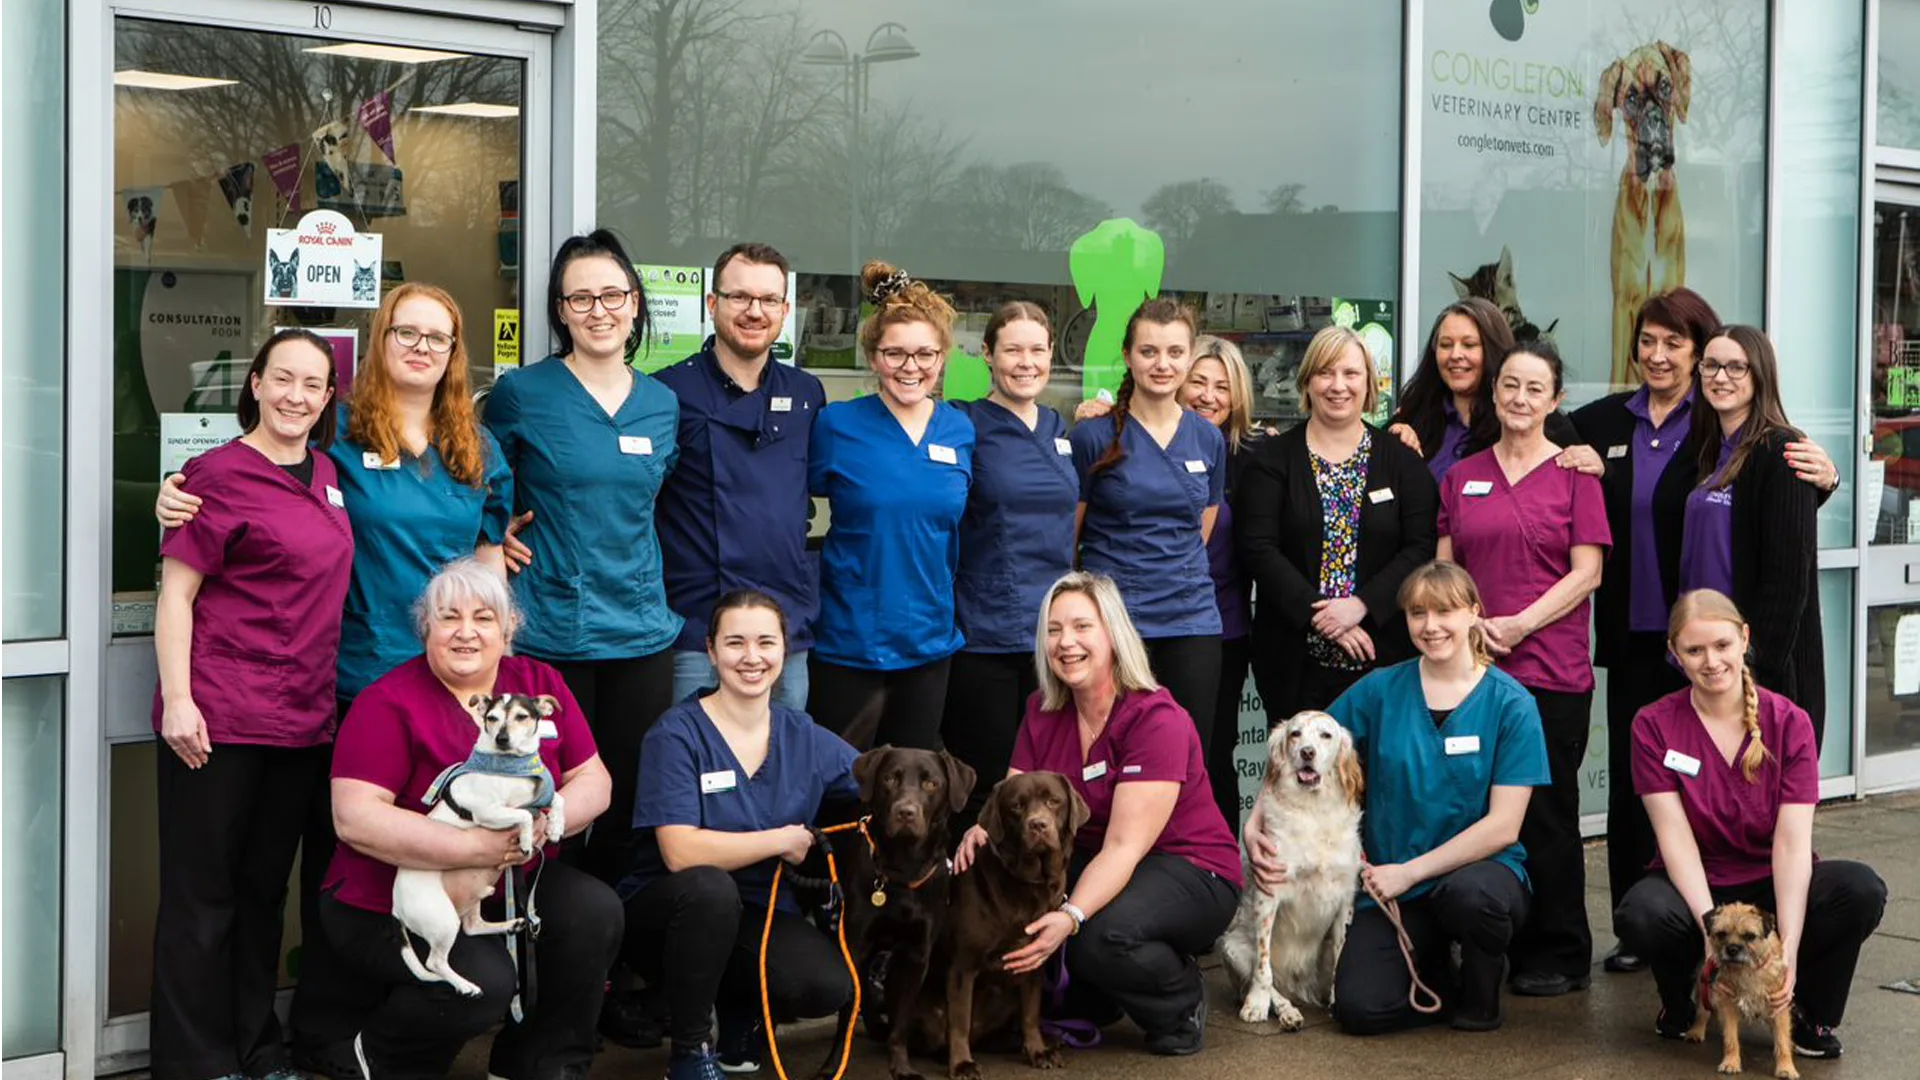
(1453, 751)
(729, 782)
(1729, 775)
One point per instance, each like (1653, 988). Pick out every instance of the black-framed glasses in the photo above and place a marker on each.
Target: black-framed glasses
(610, 300)
(922, 358)
(411, 337)
(1734, 369)
(742, 301)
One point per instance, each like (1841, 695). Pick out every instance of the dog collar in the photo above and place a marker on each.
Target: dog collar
(486, 763)
(880, 882)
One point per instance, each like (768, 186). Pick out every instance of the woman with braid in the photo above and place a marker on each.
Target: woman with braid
(1152, 475)
(1729, 775)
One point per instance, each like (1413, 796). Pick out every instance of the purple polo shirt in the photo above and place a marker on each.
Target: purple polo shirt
(1706, 540)
(1732, 820)
(1229, 585)
(1148, 737)
(1451, 442)
(1517, 541)
(1652, 449)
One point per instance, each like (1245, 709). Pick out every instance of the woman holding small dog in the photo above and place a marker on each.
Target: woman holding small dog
(1155, 874)
(246, 633)
(403, 732)
(729, 783)
(1730, 773)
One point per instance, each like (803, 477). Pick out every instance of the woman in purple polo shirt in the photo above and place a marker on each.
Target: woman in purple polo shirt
(1156, 873)
(247, 632)
(1533, 535)
(1730, 775)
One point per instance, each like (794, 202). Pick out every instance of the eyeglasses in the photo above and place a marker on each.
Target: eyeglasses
(412, 338)
(612, 300)
(922, 358)
(740, 301)
(1734, 369)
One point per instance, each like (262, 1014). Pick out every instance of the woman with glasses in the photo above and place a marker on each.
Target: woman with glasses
(590, 441)
(894, 468)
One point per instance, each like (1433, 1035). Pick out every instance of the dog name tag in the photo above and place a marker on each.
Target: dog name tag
(1462, 744)
(879, 898)
(712, 783)
(1616, 452)
(1065, 446)
(1477, 487)
(1681, 763)
(636, 444)
(371, 460)
(334, 497)
(1196, 466)
(781, 404)
(548, 729)
(942, 454)
(1093, 772)
(1380, 495)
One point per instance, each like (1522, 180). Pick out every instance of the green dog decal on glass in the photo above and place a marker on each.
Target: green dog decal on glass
(1116, 267)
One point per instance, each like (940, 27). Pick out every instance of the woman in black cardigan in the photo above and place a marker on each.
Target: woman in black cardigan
(1331, 516)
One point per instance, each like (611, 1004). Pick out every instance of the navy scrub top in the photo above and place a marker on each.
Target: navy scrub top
(1142, 526)
(594, 588)
(893, 542)
(734, 513)
(1016, 538)
(689, 776)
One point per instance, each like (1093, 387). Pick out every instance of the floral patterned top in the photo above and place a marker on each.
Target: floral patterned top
(1342, 485)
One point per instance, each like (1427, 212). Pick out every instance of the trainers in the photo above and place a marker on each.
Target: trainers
(327, 1061)
(1674, 1028)
(699, 1064)
(360, 1056)
(1186, 1037)
(743, 1043)
(1814, 1040)
(282, 1073)
(1548, 984)
(626, 1019)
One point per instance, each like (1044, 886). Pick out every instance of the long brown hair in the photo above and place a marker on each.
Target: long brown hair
(1707, 605)
(1423, 403)
(1766, 416)
(1160, 311)
(1444, 585)
(373, 412)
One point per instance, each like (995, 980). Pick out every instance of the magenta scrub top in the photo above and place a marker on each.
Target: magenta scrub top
(1732, 820)
(1147, 737)
(275, 556)
(406, 728)
(1517, 541)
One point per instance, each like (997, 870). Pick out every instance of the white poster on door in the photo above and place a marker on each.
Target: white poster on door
(323, 262)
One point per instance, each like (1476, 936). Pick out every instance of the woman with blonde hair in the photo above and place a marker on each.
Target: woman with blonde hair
(1730, 773)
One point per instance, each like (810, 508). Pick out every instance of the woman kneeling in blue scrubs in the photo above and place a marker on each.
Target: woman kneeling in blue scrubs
(729, 783)
(1453, 751)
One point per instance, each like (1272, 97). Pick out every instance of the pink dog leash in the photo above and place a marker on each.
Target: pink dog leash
(1391, 909)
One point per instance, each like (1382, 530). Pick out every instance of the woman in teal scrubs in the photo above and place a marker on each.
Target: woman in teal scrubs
(591, 440)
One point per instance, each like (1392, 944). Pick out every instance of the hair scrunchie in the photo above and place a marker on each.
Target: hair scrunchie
(890, 286)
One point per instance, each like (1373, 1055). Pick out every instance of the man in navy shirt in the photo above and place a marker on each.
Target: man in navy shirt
(734, 512)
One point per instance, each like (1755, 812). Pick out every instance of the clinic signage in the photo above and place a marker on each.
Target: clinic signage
(323, 262)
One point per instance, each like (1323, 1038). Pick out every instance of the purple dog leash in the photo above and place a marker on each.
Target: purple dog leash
(1078, 1034)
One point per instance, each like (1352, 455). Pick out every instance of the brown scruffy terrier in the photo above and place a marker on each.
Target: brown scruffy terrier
(1746, 970)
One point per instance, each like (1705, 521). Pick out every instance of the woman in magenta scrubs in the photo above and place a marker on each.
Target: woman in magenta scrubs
(247, 634)
(1534, 535)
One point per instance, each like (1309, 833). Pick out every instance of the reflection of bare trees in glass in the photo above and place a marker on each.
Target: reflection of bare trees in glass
(1175, 210)
(1027, 206)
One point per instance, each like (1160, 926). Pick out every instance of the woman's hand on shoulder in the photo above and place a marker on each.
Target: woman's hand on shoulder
(1091, 409)
(1582, 458)
(175, 507)
(1405, 434)
(970, 843)
(1809, 462)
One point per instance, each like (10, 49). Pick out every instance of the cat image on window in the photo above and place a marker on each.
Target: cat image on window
(366, 283)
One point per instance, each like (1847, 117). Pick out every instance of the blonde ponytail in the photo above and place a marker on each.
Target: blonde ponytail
(1757, 752)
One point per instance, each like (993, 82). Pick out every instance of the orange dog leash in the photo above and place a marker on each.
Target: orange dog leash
(840, 927)
(1391, 909)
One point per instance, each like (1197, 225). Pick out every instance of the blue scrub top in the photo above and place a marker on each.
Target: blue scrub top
(410, 517)
(752, 446)
(893, 544)
(594, 589)
(1142, 527)
(1016, 538)
(689, 776)
(1419, 796)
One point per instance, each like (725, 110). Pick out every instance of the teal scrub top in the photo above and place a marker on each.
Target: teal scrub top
(410, 517)
(1427, 784)
(594, 589)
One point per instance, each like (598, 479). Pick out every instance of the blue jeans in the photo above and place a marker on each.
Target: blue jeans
(693, 672)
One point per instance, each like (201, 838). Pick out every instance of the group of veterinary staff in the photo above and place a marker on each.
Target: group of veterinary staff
(345, 582)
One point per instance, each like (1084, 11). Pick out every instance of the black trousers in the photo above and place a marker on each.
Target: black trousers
(1220, 751)
(880, 708)
(1479, 906)
(621, 699)
(411, 1029)
(1844, 904)
(1189, 667)
(697, 940)
(228, 833)
(1555, 939)
(1138, 951)
(986, 700)
(1639, 678)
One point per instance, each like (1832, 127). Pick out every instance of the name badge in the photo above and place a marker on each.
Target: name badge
(712, 783)
(1381, 495)
(1129, 770)
(636, 444)
(1477, 487)
(1196, 466)
(1093, 772)
(1065, 446)
(548, 729)
(781, 404)
(942, 454)
(1616, 452)
(1462, 744)
(371, 460)
(334, 497)
(1681, 763)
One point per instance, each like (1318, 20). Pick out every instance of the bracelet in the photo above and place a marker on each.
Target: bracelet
(1079, 917)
